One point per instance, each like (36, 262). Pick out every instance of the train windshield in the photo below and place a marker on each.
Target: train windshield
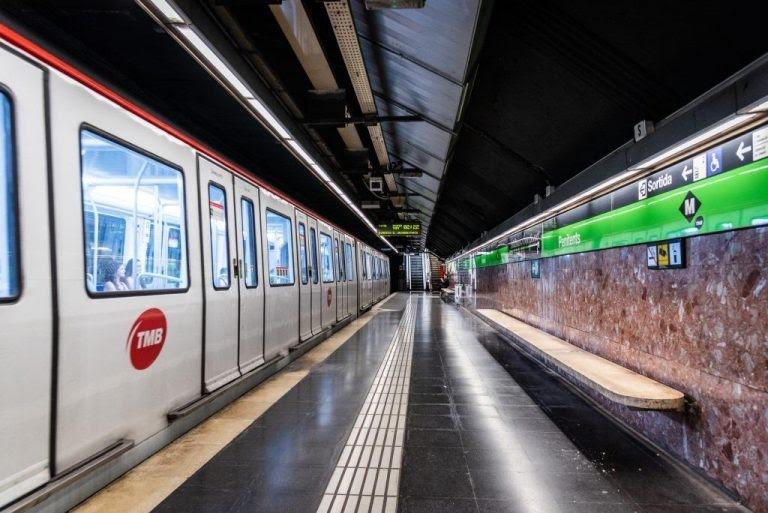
(9, 279)
(279, 237)
(326, 254)
(133, 219)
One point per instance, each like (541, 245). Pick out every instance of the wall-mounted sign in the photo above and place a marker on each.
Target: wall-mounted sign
(535, 268)
(666, 255)
(400, 229)
(723, 188)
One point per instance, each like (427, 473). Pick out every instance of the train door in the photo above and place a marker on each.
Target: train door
(305, 285)
(339, 277)
(25, 281)
(353, 278)
(327, 275)
(314, 253)
(220, 275)
(128, 272)
(281, 310)
(250, 277)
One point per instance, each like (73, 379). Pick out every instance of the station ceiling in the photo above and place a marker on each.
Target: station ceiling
(510, 96)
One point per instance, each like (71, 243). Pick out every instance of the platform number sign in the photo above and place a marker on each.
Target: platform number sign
(666, 255)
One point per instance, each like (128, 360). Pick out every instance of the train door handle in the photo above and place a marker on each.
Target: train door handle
(235, 267)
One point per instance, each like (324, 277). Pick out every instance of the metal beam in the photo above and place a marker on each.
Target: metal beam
(361, 120)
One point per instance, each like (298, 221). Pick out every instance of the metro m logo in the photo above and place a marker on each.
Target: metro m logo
(690, 206)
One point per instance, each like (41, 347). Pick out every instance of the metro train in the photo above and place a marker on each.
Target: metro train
(139, 271)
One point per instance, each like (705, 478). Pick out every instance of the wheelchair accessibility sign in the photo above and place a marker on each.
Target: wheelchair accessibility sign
(714, 161)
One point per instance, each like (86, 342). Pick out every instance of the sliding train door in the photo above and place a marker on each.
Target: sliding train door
(314, 259)
(250, 275)
(220, 274)
(327, 275)
(281, 307)
(25, 281)
(305, 279)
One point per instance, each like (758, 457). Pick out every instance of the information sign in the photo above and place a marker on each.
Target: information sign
(400, 229)
(666, 255)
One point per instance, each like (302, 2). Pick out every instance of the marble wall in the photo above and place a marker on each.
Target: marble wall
(702, 330)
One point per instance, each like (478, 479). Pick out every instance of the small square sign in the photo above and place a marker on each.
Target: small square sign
(653, 259)
(663, 251)
(666, 255)
(535, 269)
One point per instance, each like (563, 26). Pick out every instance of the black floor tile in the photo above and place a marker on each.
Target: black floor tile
(432, 438)
(418, 505)
(433, 458)
(431, 422)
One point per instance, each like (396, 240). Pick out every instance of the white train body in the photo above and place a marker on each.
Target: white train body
(139, 272)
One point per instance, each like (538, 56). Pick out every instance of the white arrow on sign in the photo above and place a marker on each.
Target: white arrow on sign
(686, 172)
(742, 150)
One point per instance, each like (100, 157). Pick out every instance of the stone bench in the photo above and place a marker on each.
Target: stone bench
(613, 381)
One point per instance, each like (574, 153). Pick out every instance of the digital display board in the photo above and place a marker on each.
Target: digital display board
(400, 229)
(724, 188)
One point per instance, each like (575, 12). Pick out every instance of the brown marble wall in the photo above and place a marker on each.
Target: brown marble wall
(702, 330)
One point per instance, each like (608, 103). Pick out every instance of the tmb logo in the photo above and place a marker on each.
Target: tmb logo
(147, 338)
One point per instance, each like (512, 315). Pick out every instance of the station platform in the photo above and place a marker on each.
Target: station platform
(417, 406)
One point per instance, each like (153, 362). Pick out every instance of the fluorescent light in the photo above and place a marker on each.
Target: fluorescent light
(168, 11)
(319, 170)
(269, 118)
(212, 58)
(300, 151)
(761, 107)
(336, 188)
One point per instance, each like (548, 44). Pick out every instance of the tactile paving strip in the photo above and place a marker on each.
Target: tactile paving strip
(367, 475)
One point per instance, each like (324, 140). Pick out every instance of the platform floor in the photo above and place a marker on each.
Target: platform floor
(423, 408)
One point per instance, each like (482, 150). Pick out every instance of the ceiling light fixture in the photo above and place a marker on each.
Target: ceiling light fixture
(211, 60)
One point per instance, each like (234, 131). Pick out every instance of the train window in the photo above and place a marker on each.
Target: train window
(339, 262)
(279, 239)
(348, 259)
(315, 268)
(250, 266)
(133, 213)
(9, 257)
(303, 254)
(326, 255)
(217, 208)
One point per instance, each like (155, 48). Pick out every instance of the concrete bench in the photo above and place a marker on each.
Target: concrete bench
(615, 382)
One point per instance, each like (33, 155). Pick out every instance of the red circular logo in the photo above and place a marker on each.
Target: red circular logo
(147, 338)
(329, 297)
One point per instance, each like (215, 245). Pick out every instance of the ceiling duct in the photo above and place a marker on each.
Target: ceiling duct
(346, 37)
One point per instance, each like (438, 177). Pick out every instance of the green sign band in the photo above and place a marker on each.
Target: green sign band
(709, 193)
(738, 199)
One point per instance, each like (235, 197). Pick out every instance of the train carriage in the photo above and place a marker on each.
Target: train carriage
(139, 272)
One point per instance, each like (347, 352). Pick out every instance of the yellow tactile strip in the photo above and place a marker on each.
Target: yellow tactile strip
(148, 484)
